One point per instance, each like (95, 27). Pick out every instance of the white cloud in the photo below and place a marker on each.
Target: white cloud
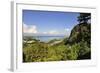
(67, 29)
(33, 29)
(29, 28)
(53, 32)
(45, 32)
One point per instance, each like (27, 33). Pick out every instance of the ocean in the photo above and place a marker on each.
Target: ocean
(47, 38)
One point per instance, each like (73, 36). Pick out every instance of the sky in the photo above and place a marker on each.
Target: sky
(48, 22)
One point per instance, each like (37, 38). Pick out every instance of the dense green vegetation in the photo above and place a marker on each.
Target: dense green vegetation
(76, 47)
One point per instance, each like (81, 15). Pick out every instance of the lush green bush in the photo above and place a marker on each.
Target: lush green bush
(40, 52)
(83, 50)
(35, 52)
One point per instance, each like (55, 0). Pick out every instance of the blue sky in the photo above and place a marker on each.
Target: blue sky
(49, 22)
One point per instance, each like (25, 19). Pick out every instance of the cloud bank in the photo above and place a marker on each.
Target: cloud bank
(32, 30)
(29, 28)
(52, 32)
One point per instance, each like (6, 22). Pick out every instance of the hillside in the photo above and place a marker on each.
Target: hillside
(81, 34)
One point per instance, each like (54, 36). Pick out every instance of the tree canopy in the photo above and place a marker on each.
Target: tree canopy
(84, 17)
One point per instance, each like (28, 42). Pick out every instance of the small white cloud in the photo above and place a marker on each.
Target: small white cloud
(45, 32)
(67, 29)
(29, 28)
(53, 32)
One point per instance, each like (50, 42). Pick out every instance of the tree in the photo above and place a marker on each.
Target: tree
(84, 17)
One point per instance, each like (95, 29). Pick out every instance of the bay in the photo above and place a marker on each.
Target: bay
(48, 38)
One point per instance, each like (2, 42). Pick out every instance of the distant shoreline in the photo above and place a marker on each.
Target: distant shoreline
(31, 34)
(45, 38)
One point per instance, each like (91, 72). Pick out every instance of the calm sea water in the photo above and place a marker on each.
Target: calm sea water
(48, 38)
